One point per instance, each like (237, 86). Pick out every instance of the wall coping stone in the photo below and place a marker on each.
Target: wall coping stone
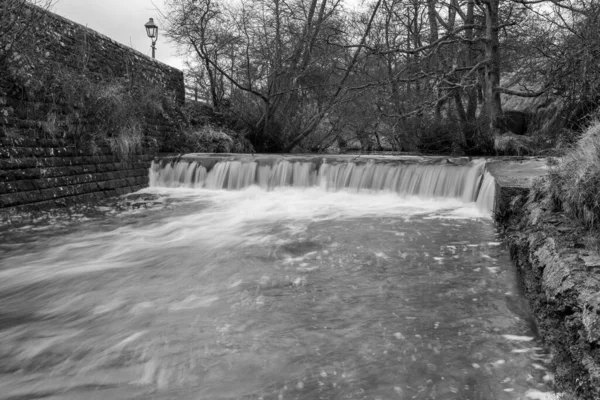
(97, 34)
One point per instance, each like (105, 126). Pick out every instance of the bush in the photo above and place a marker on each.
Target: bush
(425, 134)
(573, 185)
(511, 144)
(207, 139)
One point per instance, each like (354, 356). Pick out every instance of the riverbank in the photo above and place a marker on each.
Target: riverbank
(560, 276)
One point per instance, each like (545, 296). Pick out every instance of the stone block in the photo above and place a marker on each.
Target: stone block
(19, 174)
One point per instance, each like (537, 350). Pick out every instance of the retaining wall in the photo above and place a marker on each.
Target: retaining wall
(41, 170)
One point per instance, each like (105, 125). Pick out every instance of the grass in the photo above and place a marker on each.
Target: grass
(118, 113)
(573, 184)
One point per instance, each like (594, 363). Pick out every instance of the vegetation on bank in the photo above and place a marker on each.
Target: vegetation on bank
(108, 113)
(91, 114)
(573, 183)
(554, 239)
(206, 131)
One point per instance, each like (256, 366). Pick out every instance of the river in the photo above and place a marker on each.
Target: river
(285, 293)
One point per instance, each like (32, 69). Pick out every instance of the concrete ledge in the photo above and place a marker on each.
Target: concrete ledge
(513, 178)
(264, 159)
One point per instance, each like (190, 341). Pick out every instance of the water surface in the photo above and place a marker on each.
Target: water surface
(286, 294)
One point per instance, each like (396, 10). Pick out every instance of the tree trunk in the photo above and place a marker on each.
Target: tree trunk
(340, 86)
(212, 83)
(460, 138)
(493, 106)
(470, 61)
(433, 59)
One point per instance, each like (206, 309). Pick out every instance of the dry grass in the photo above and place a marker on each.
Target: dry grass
(118, 112)
(511, 144)
(573, 185)
(127, 141)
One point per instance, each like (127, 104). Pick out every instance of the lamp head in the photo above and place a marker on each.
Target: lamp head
(151, 29)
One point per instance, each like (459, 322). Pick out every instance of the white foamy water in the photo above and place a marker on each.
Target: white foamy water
(227, 218)
(467, 183)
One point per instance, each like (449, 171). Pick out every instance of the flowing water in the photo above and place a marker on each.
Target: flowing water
(303, 281)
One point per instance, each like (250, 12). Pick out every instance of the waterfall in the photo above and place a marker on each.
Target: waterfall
(468, 181)
(486, 196)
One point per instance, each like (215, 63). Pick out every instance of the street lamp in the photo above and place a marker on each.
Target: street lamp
(152, 32)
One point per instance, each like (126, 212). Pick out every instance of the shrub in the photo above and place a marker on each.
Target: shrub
(207, 138)
(425, 134)
(118, 109)
(511, 144)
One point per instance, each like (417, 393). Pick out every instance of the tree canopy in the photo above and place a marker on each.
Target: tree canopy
(407, 74)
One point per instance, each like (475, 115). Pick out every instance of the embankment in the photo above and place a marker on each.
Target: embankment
(560, 277)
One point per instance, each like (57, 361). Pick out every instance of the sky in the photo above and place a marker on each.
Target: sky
(123, 21)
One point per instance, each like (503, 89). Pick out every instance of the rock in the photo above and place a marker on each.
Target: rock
(591, 260)
(563, 294)
(591, 323)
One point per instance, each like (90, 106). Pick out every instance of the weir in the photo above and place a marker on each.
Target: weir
(427, 177)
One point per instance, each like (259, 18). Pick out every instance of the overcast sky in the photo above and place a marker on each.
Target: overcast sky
(121, 20)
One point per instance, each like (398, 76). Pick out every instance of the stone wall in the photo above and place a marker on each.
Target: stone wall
(43, 166)
(559, 273)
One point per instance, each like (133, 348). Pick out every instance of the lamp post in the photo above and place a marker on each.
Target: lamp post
(152, 32)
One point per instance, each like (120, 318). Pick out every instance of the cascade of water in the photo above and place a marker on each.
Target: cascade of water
(469, 182)
(487, 193)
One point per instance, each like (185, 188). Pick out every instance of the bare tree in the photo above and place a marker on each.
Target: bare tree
(283, 59)
(427, 68)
